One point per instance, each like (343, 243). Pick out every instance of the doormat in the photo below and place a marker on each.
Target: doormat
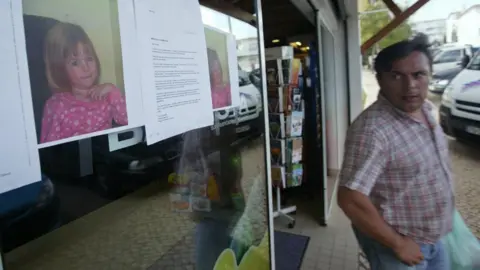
(289, 250)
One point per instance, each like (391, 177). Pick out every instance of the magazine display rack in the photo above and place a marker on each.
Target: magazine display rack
(286, 114)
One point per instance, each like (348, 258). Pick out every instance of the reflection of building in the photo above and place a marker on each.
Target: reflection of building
(464, 27)
(451, 28)
(434, 29)
(247, 54)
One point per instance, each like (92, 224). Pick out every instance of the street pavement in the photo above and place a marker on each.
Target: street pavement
(465, 163)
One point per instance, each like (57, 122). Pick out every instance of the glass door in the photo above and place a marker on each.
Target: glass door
(199, 200)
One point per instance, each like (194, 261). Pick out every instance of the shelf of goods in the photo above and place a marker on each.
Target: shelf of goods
(286, 115)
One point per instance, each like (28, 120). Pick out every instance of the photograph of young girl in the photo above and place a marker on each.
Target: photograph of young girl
(221, 92)
(75, 90)
(79, 104)
(217, 53)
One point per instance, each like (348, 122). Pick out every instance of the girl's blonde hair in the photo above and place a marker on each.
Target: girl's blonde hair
(62, 41)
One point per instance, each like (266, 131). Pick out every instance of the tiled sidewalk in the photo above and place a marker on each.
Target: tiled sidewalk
(331, 248)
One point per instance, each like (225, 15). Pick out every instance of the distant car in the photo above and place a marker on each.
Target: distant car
(256, 78)
(247, 115)
(475, 50)
(451, 56)
(441, 79)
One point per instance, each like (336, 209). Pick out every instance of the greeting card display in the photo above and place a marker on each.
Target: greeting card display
(285, 107)
(278, 176)
(277, 151)
(277, 126)
(276, 101)
(294, 150)
(294, 175)
(295, 99)
(294, 124)
(283, 71)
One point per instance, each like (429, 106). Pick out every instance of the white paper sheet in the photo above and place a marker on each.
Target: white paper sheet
(19, 160)
(233, 65)
(175, 79)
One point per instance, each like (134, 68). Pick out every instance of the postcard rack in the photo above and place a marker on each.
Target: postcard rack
(286, 114)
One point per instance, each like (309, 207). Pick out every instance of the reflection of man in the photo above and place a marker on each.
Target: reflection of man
(396, 184)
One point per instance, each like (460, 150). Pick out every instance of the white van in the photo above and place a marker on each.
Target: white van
(460, 109)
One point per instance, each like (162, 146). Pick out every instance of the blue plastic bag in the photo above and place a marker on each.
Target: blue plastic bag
(462, 246)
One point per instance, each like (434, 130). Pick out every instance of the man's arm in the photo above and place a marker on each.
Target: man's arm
(364, 162)
(365, 217)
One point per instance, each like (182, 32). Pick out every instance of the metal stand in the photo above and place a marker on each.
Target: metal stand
(283, 213)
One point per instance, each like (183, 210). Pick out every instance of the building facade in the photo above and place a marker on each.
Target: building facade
(463, 27)
(468, 26)
(451, 28)
(434, 29)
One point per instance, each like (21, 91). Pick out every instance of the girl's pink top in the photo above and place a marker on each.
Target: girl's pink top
(65, 116)
(221, 97)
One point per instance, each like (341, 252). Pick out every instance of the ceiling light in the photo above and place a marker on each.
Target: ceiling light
(298, 43)
(276, 41)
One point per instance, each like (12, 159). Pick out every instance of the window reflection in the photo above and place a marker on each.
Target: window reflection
(229, 161)
(135, 209)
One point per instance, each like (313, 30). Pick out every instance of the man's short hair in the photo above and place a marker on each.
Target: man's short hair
(399, 50)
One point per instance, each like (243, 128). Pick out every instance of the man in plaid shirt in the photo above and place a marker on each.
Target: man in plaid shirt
(396, 181)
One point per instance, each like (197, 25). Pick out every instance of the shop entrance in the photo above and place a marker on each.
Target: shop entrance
(290, 27)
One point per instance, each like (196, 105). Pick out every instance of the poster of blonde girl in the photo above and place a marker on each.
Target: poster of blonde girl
(79, 104)
(83, 74)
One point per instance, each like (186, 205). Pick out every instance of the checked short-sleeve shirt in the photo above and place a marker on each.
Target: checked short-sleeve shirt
(403, 166)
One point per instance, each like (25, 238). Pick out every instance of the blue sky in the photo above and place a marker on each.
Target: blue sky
(437, 9)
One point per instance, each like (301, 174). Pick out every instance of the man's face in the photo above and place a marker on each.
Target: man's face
(406, 85)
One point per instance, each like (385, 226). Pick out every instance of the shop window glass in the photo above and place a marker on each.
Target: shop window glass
(194, 201)
(215, 19)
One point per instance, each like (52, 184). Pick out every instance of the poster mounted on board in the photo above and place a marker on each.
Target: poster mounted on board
(83, 72)
(20, 164)
(175, 79)
(223, 68)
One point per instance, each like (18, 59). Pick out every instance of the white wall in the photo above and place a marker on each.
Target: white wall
(354, 58)
(335, 88)
(329, 91)
(341, 75)
(450, 24)
(341, 78)
(468, 27)
(434, 29)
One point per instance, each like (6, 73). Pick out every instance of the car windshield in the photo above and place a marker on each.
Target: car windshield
(475, 63)
(447, 56)
(243, 78)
